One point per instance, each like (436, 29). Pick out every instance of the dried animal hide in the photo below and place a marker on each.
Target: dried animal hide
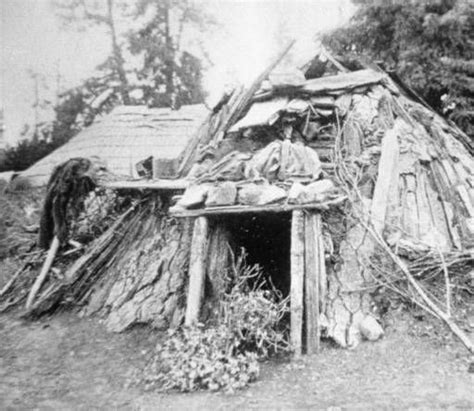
(68, 184)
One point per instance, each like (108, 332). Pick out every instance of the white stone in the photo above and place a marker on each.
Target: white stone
(271, 194)
(370, 328)
(315, 192)
(295, 191)
(249, 194)
(194, 196)
(222, 194)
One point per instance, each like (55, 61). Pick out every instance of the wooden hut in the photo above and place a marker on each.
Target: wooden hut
(326, 181)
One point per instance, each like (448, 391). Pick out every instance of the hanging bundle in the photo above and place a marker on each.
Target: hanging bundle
(68, 185)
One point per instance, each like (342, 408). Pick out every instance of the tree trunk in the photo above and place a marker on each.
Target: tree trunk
(170, 56)
(118, 57)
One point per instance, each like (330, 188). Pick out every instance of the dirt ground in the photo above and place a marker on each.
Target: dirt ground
(69, 363)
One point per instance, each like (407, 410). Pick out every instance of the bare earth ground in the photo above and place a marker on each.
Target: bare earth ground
(69, 363)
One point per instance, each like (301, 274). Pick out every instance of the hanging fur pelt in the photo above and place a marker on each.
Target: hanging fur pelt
(68, 185)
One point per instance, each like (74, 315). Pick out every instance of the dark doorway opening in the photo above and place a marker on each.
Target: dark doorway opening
(267, 240)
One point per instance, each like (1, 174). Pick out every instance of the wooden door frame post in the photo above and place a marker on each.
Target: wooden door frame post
(315, 276)
(197, 270)
(297, 280)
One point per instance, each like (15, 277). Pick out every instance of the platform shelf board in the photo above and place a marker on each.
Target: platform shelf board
(241, 209)
(178, 184)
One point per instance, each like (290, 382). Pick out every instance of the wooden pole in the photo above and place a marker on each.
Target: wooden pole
(249, 93)
(197, 270)
(323, 280)
(10, 282)
(53, 249)
(335, 63)
(297, 281)
(433, 308)
(312, 271)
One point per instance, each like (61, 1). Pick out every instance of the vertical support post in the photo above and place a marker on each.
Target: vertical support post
(311, 284)
(297, 280)
(197, 270)
(323, 279)
(315, 274)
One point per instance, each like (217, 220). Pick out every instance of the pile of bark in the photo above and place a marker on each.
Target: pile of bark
(132, 273)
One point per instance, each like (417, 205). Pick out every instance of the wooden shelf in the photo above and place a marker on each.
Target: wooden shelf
(178, 184)
(241, 209)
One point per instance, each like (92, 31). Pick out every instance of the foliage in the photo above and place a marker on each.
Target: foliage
(199, 358)
(148, 64)
(167, 76)
(224, 356)
(253, 309)
(429, 44)
(25, 153)
(103, 13)
(72, 113)
(170, 74)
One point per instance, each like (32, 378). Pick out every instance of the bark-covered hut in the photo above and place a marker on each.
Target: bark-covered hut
(325, 175)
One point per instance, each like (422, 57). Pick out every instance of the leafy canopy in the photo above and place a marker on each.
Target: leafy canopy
(147, 65)
(429, 44)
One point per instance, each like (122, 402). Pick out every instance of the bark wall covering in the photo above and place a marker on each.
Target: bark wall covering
(148, 282)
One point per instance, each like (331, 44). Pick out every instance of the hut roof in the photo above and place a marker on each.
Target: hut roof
(280, 145)
(124, 137)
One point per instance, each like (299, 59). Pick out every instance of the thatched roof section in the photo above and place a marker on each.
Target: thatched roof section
(124, 137)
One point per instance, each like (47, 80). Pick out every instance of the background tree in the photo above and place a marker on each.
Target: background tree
(430, 44)
(147, 65)
(82, 13)
(170, 75)
(70, 114)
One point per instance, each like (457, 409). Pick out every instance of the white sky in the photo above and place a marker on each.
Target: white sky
(251, 32)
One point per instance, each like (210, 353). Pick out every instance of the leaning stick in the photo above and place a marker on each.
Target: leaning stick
(53, 249)
(330, 57)
(447, 284)
(8, 285)
(440, 313)
(432, 307)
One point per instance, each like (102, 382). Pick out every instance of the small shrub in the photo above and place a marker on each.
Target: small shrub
(198, 358)
(253, 310)
(224, 357)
